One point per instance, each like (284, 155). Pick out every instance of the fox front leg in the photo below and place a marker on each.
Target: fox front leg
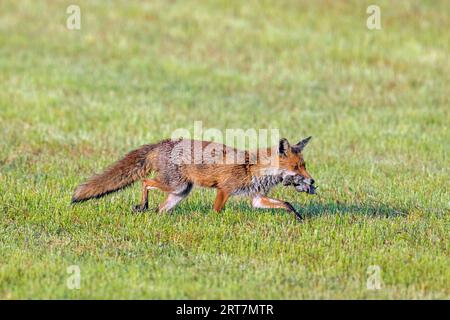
(269, 203)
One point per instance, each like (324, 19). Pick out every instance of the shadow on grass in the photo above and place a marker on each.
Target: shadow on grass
(308, 210)
(365, 209)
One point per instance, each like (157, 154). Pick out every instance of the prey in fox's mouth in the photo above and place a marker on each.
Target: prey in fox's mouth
(300, 183)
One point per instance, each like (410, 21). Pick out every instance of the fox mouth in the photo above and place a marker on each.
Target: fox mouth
(300, 184)
(308, 188)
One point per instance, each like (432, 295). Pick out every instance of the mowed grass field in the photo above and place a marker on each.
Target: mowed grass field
(375, 101)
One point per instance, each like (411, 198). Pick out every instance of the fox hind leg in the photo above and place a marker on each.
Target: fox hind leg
(170, 203)
(149, 184)
(144, 198)
(175, 197)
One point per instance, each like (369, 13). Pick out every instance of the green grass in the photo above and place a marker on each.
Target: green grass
(376, 102)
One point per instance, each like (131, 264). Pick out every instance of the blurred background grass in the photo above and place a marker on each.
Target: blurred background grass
(376, 102)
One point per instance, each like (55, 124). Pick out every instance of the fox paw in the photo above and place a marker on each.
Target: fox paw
(298, 216)
(138, 208)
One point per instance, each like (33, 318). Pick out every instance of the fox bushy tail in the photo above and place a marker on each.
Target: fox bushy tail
(134, 166)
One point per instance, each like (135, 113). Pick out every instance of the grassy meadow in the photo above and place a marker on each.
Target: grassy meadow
(375, 101)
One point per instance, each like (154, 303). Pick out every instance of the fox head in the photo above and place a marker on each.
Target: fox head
(293, 166)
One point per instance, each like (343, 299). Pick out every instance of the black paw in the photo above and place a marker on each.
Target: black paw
(290, 208)
(138, 208)
(298, 216)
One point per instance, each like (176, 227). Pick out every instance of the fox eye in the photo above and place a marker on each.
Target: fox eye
(296, 167)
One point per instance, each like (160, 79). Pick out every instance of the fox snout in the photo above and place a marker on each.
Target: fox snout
(312, 189)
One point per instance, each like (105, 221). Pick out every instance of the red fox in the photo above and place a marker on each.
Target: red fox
(177, 172)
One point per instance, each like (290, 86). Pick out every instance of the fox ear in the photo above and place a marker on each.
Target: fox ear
(283, 146)
(301, 145)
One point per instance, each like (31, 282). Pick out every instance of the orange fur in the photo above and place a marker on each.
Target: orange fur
(254, 175)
